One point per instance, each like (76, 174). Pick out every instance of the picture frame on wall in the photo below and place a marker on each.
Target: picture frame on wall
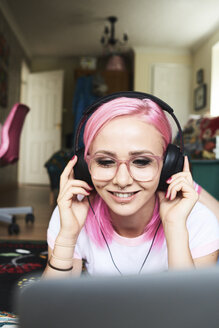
(3, 87)
(200, 97)
(200, 76)
(4, 51)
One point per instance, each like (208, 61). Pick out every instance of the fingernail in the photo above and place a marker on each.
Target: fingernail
(90, 187)
(166, 194)
(72, 157)
(168, 180)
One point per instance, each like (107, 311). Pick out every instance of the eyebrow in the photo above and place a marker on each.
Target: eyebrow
(131, 153)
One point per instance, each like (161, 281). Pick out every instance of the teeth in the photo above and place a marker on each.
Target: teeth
(123, 195)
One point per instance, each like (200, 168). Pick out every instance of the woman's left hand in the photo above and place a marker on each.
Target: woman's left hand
(180, 198)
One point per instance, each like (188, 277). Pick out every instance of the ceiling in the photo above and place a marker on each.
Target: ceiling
(74, 27)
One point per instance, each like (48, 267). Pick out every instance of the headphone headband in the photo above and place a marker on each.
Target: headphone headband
(128, 94)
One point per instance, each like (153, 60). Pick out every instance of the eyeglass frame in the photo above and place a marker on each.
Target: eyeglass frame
(89, 158)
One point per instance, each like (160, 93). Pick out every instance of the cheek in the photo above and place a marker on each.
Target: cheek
(157, 178)
(99, 185)
(152, 185)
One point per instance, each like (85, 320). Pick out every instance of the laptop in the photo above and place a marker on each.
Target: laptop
(174, 299)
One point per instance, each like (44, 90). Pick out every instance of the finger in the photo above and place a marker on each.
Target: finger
(71, 175)
(76, 183)
(71, 192)
(68, 170)
(174, 191)
(182, 186)
(186, 167)
(161, 196)
(91, 196)
(75, 189)
(186, 175)
(186, 192)
(175, 183)
(81, 183)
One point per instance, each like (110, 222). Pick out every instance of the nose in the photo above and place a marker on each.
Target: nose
(122, 177)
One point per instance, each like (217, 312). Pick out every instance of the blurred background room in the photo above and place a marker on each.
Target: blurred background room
(56, 58)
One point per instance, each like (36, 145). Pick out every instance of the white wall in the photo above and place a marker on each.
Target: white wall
(173, 78)
(202, 58)
(145, 58)
(214, 105)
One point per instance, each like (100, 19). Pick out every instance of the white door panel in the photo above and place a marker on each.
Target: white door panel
(172, 83)
(42, 129)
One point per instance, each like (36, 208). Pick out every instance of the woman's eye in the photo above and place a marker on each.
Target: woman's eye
(141, 161)
(105, 162)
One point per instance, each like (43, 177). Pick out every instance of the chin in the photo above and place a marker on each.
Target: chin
(124, 211)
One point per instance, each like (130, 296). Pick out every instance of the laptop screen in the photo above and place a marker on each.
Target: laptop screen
(177, 299)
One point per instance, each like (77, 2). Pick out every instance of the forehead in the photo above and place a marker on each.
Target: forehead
(125, 134)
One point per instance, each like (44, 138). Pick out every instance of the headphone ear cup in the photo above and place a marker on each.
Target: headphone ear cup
(173, 163)
(81, 171)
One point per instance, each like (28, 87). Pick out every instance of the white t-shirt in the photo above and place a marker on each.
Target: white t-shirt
(129, 253)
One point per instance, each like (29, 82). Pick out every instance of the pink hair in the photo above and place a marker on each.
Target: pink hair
(147, 111)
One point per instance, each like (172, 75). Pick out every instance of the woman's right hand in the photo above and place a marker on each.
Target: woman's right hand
(73, 212)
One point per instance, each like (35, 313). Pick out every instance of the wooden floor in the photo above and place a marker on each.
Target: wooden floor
(38, 198)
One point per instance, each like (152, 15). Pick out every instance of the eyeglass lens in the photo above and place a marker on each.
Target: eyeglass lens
(141, 168)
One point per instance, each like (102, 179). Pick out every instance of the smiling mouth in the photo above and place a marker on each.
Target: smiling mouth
(124, 194)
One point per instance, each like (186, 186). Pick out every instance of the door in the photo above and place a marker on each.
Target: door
(172, 83)
(41, 135)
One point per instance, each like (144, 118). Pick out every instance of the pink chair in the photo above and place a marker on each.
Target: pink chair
(9, 154)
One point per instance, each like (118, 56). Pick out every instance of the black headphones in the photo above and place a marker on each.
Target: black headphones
(173, 157)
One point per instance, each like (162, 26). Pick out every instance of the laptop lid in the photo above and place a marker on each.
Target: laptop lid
(177, 299)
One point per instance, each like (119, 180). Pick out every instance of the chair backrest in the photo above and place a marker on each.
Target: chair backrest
(10, 134)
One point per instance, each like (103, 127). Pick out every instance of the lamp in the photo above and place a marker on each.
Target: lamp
(111, 45)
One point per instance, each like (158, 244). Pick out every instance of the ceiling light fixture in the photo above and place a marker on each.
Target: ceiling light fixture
(110, 44)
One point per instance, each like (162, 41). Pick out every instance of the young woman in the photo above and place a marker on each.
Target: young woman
(124, 225)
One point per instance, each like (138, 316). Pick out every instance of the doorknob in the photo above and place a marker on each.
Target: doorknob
(58, 125)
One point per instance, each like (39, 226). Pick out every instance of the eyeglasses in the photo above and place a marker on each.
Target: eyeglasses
(141, 168)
